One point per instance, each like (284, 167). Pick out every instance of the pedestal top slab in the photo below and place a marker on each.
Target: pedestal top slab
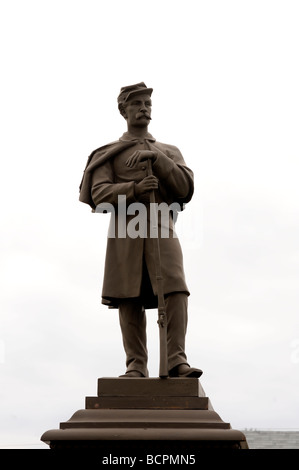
(135, 386)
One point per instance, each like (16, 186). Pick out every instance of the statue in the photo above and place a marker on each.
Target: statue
(143, 268)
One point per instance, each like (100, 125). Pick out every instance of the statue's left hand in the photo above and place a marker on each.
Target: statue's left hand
(140, 156)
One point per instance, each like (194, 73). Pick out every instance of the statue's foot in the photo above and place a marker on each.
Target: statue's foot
(132, 373)
(183, 370)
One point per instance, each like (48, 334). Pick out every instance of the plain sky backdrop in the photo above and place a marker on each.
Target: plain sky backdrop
(225, 76)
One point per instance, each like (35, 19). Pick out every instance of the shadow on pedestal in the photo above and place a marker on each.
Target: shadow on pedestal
(148, 415)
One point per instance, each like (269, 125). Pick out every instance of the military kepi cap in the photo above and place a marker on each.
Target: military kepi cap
(127, 92)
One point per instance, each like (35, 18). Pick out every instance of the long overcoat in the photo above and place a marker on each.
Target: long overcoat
(129, 259)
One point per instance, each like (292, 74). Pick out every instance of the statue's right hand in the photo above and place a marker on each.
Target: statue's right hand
(147, 184)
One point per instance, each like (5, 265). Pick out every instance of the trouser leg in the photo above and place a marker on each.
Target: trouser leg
(132, 321)
(176, 306)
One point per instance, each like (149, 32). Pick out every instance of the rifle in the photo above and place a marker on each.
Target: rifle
(162, 317)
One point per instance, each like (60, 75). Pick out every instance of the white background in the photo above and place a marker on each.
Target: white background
(225, 76)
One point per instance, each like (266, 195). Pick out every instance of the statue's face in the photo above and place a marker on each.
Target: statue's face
(138, 110)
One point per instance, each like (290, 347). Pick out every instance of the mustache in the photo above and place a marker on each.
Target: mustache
(140, 115)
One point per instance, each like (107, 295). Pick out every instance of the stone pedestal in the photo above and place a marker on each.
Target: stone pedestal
(146, 415)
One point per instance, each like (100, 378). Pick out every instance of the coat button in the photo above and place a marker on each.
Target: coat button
(143, 168)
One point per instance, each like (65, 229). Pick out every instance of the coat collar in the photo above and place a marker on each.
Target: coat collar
(127, 137)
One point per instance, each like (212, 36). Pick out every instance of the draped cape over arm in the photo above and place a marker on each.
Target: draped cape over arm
(99, 156)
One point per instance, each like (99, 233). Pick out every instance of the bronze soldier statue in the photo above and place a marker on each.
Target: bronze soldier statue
(130, 283)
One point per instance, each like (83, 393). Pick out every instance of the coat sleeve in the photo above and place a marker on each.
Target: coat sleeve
(173, 172)
(104, 190)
